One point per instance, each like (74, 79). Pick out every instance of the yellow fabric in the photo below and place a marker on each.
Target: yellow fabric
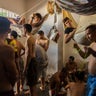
(14, 45)
(68, 14)
(50, 7)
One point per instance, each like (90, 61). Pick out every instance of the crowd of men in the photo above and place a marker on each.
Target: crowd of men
(13, 71)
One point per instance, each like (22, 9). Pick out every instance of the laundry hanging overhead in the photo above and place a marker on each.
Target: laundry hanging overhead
(82, 7)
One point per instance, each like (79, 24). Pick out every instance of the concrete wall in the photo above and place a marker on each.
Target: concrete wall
(17, 6)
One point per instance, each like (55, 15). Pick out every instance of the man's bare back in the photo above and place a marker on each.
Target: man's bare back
(76, 89)
(31, 48)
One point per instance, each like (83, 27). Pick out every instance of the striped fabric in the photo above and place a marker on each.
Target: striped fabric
(75, 6)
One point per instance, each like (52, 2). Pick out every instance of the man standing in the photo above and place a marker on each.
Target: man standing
(8, 70)
(19, 51)
(31, 64)
(91, 52)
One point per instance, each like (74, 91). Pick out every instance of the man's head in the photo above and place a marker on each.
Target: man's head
(67, 22)
(4, 25)
(79, 75)
(41, 34)
(27, 28)
(91, 32)
(37, 18)
(71, 58)
(13, 34)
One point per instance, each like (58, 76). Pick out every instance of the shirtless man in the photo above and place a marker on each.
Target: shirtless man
(90, 51)
(69, 30)
(42, 40)
(35, 19)
(31, 63)
(71, 66)
(78, 87)
(8, 70)
(19, 51)
(57, 81)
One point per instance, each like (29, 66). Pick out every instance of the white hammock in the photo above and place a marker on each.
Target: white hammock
(18, 29)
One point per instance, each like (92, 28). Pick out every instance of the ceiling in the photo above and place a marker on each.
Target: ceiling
(21, 6)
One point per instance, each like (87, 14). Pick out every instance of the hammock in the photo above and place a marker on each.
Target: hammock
(18, 29)
(76, 6)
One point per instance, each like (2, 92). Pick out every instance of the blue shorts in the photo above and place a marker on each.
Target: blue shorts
(91, 86)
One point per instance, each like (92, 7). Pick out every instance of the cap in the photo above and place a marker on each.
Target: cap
(4, 25)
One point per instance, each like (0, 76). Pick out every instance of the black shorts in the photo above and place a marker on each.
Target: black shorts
(7, 93)
(31, 74)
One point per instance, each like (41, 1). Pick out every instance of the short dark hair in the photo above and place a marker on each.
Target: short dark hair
(38, 15)
(28, 27)
(80, 75)
(65, 19)
(40, 32)
(14, 34)
(92, 28)
(72, 58)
